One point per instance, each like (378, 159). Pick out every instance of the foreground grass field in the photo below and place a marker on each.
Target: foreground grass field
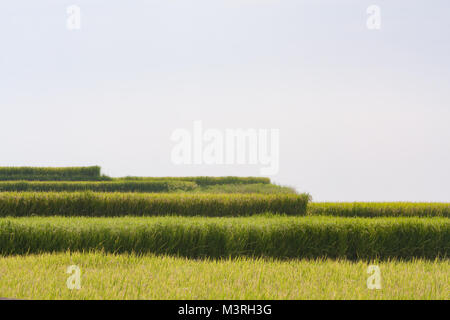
(257, 236)
(149, 277)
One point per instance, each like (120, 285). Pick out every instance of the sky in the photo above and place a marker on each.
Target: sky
(362, 114)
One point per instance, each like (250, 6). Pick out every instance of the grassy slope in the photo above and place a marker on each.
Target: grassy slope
(150, 277)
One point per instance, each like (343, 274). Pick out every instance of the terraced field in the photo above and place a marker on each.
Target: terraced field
(277, 237)
(152, 204)
(380, 209)
(254, 239)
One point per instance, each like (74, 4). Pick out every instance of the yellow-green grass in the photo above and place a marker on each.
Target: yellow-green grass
(149, 204)
(380, 209)
(258, 236)
(155, 277)
(96, 186)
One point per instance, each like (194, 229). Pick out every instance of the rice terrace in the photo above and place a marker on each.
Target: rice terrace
(210, 238)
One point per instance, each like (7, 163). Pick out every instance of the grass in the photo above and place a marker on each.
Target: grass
(144, 186)
(203, 181)
(97, 186)
(93, 173)
(380, 209)
(210, 238)
(151, 277)
(49, 174)
(246, 188)
(120, 204)
(271, 236)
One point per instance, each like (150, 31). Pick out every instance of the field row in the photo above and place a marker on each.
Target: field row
(46, 174)
(209, 204)
(96, 186)
(150, 277)
(152, 204)
(379, 209)
(94, 174)
(269, 236)
(202, 181)
(146, 186)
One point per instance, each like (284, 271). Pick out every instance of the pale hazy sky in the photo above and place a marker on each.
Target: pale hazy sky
(363, 114)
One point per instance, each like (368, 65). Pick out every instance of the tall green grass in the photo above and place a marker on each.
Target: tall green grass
(51, 174)
(279, 237)
(97, 186)
(379, 209)
(205, 181)
(152, 204)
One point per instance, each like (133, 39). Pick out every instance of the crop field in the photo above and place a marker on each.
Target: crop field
(210, 238)
(107, 276)
(244, 188)
(154, 204)
(272, 236)
(203, 181)
(96, 186)
(51, 174)
(379, 209)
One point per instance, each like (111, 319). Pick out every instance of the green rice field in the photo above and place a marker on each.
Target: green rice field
(19, 204)
(379, 209)
(271, 236)
(210, 238)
